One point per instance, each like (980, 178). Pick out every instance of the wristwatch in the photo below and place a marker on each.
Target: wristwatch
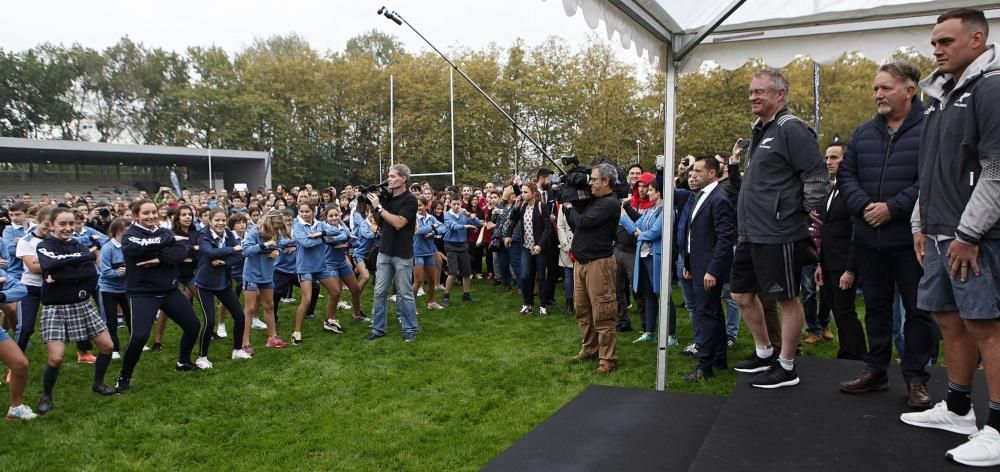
(378, 209)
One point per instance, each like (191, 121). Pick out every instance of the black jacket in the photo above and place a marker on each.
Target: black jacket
(540, 225)
(140, 244)
(72, 266)
(877, 168)
(836, 247)
(712, 231)
(594, 227)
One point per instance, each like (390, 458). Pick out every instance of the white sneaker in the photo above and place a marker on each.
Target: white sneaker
(321, 296)
(525, 310)
(21, 412)
(542, 311)
(434, 306)
(203, 363)
(982, 450)
(115, 356)
(221, 331)
(392, 298)
(420, 292)
(256, 323)
(343, 305)
(241, 354)
(940, 417)
(287, 300)
(145, 348)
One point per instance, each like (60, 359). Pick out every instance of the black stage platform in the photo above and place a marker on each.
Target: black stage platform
(810, 427)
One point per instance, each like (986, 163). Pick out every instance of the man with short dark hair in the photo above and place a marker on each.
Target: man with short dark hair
(878, 183)
(785, 179)
(956, 226)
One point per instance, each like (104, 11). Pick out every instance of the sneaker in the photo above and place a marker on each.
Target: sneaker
(434, 306)
(157, 347)
(542, 311)
(690, 350)
(440, 287)
(241, 354)
(755, 364)
(373, 336)
(672, 341)
(220, 331)
(645, 338)
(392, 298)
(45, 404)
(525, 310)
(362, 318)
(409, 337)
(332, 326)
(249, 350)
(445, 301)
(775, 377)
(420, 292)
(310, 316)
(21, 412)
(982, 450)
(103, 390)
(122, 385)
(203, 363)
(145, 348)
(731, 342)
(467, 297)
(344, 305)
(276, 342)
(85, 357)
(297, 338)
(186, 367)
(256, 323)
(940, 417)
(115, 355)
(287, 300)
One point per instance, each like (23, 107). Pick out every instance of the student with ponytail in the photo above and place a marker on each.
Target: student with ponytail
(218, 254)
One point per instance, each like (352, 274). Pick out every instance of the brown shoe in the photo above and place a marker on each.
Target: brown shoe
(827, 334)
(917, 396)
(583, 357)
(606, 368)
(812, 339)
(866, 381)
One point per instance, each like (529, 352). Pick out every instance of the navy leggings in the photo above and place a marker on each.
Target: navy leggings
(143, 310)
(232, 303)
(109, 307)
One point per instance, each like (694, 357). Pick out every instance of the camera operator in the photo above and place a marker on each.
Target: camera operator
(396, 218)
(100, 218)
(594, 224)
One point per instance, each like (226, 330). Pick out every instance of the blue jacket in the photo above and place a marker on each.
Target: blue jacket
(423, 245)
(15, 268)
(310, 256)
(13, 290)
(364, 236)
(90, 237)
(713, 230)
(880, 168)
(286, 261)
(334, 236)
(454, 228)
(107, 269)
(258, 265)
(651, 226)
(209, 276)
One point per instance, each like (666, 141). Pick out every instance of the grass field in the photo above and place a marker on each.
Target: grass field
(477, 379)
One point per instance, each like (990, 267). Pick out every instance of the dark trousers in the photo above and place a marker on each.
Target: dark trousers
(476, 258)
(232, 303)
(533, 270)
(109, 307)
(849, 333)
(651, 299)
(283, 282)
(552, 273)
(712, 325)
(883, 271)
(623, 286)
(144, 307)
(503, 271)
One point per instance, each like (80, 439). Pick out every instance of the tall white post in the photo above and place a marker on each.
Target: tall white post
(666, 268)
(451, 94)
(392, 142)
(211, 176)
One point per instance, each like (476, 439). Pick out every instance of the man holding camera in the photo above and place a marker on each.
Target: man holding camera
(397, 218)
(594, 224)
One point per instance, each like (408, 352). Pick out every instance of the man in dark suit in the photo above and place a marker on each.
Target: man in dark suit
(708, 261)
(835, 273)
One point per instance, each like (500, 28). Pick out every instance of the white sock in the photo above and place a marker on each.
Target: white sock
(787, 364)
(764, 352)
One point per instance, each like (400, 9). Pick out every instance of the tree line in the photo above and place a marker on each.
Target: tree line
(326, 114)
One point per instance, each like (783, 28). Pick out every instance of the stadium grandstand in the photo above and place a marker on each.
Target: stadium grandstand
(108, 170)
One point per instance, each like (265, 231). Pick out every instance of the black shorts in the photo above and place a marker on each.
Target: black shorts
(459, 263)
(772, 271)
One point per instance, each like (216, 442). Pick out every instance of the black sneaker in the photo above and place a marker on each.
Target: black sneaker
(755, 364)
(467, 297)
(122, 385)
(186, 367)
(44, 404)
(102, 389)
(157, 347)
(776, 377)
(409, 337)
(310, 316)
(445, 302)
(373, 336)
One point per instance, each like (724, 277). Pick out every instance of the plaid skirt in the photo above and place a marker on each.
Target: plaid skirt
(72, 322)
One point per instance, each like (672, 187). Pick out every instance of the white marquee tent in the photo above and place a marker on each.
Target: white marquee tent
(681, 35)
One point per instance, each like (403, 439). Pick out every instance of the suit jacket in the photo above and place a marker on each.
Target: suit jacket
(837, 247)
(712, 230)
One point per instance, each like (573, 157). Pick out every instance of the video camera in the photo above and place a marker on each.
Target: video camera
(381, 190)
(577, 180)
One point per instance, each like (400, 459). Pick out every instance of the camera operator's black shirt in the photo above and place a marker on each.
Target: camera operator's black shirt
(594, 227)
(399, 243)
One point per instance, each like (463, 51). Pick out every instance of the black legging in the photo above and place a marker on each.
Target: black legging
(232, 304)
(283, 282)
(28, 318)
(143, 311)
(109, 307)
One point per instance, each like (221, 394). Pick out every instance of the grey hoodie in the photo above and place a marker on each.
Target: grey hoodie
(960, 154)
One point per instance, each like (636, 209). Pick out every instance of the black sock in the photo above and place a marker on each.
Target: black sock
(49, 379)
(994, 419)
(101, 368)
(959, 398)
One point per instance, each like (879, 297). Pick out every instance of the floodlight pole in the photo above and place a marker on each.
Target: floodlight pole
(398, 19)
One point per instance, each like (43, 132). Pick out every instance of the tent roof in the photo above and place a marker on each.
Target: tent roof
(875, 28)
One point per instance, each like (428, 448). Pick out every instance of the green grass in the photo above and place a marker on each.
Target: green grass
(477, 379)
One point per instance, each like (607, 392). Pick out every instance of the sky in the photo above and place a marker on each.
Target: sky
(326, 25)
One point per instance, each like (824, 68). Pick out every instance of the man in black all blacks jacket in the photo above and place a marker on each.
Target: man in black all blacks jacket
(878, 181)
